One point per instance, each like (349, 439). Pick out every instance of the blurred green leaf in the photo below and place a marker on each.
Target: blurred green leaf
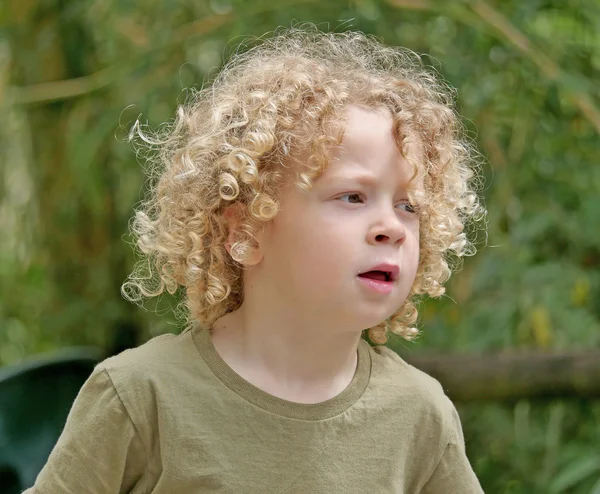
(575, 473)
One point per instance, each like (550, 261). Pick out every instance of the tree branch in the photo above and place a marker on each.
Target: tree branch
(411, 4)
(72, 88)
(547, 66)
(514, 376)
(506, 31)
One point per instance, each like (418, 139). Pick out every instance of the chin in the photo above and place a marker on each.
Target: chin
(367, 316)
(367, 322)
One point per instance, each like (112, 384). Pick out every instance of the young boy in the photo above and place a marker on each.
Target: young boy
(307, 196)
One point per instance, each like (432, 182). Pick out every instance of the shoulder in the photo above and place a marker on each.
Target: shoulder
(405, 383)
(392, 369)
(159, 354)
(157, 367)
(150, 377)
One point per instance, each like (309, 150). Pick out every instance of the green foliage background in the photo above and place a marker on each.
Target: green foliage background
(75, 75)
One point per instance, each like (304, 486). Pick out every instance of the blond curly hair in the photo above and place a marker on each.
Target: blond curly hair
(232, 142)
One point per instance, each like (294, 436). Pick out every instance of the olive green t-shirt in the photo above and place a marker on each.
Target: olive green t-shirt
(171, 417)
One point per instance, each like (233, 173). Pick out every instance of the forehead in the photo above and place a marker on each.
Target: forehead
(369, 146)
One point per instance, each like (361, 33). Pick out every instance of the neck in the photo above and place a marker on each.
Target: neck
(285, 354)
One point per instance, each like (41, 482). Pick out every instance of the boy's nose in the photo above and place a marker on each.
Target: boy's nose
(388, 230)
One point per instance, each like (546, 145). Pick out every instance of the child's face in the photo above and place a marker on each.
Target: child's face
(355, 218)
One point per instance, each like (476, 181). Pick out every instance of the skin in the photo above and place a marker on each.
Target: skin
(296, 333)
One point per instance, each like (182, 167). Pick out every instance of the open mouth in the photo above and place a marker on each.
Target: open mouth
(377, 275)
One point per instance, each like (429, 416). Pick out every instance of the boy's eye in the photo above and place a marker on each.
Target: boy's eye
(357, 198)
(353, 198)
(408, 207)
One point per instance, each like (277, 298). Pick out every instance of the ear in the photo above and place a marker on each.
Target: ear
(233, 215)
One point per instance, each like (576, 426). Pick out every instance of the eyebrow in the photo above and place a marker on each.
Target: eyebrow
(366, 179)
(362, 178)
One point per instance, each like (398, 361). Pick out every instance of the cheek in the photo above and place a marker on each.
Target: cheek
(318, 248)
(412, 248)
(417, 241)
(337, 241)
(322, 241)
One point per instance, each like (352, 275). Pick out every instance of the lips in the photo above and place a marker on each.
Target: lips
(382, 272)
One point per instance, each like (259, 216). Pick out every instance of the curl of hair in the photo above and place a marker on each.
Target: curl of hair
(235, 141)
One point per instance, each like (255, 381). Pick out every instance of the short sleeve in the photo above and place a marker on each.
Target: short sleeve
(453, 473)
(99, 450)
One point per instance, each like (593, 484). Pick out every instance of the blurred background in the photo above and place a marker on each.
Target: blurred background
(524, 312)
